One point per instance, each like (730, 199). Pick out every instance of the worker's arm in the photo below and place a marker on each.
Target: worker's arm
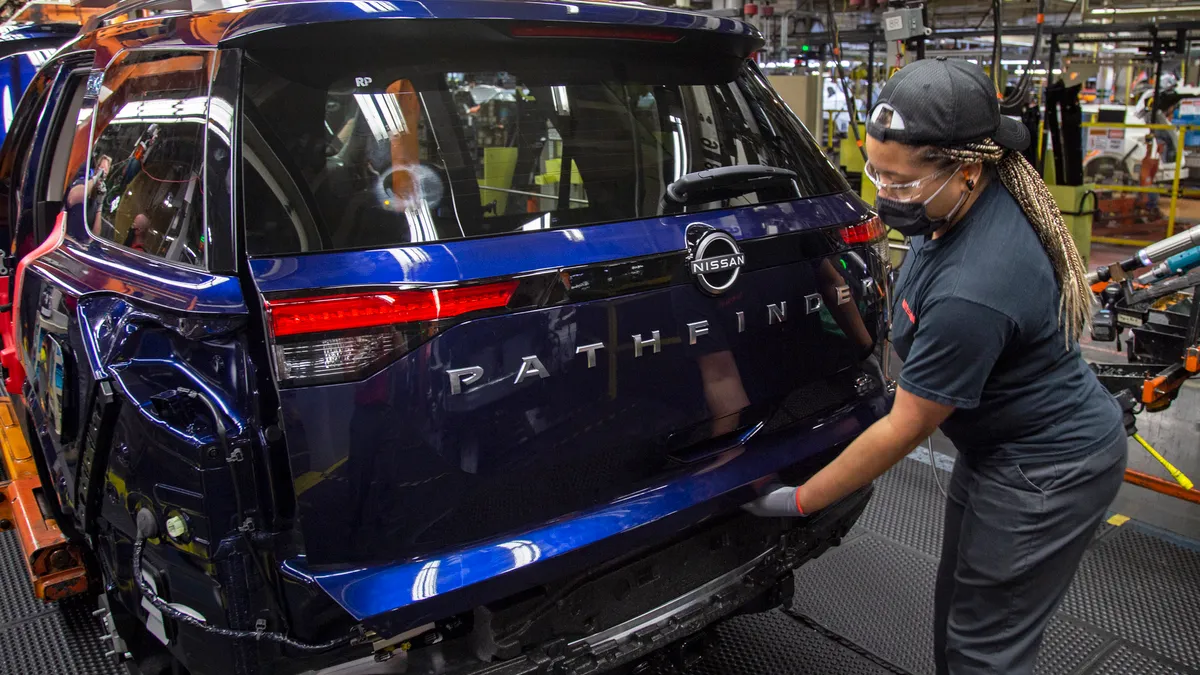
(846, 315)
(884, 443)
(955, 345)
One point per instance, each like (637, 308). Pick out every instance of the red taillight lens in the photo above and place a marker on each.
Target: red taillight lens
(298, 316)
(865, 232)
(336, 338)
(602, 32)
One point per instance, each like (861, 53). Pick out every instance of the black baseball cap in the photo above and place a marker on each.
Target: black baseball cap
(943, 102)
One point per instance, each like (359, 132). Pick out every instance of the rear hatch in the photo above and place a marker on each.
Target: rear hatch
(484, 315)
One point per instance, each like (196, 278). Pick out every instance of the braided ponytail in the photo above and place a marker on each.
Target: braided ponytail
(1027, 187)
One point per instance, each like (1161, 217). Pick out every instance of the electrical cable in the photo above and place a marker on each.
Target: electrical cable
(997, 66)
(985, 17)
(1021, 96)
(933, 467)
(183, 617)
(223, 439)
(1069, 13)
(837, 62)
(244, 524)
(847, 643)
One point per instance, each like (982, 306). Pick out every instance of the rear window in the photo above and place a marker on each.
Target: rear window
(379, 156)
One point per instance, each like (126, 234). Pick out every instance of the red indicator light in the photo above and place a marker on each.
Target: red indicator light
(602, 32)
(865, 232)
(299, 316)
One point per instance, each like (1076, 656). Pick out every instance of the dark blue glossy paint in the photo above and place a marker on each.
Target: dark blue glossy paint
(231, 26)
(397, 466)
(63, 31)
(489, 257)
(370, 591)
(268, 15)
(85, 265)
(17, 68)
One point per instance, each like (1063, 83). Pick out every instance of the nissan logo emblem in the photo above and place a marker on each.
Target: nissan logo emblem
(714, 258)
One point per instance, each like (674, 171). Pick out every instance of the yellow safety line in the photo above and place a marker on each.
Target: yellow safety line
(1121, 241)
(1122, 125)
(1133, 188)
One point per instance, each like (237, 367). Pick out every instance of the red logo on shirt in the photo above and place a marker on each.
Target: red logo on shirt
(908, 310)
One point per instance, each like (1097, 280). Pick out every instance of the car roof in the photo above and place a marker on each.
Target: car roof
(232, 24)
(37, 31)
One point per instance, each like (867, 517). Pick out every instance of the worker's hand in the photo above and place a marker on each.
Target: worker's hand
(1128, 405)
(1130, 424)
(777, 501)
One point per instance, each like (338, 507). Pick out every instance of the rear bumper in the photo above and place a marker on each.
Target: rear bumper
(392, 598)
(767, 577)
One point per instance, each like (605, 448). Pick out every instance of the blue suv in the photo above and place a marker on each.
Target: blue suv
(358, 336)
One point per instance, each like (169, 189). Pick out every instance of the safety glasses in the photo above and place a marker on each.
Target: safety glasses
(905, 192)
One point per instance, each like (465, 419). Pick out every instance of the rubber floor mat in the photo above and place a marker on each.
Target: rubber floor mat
(1144, 589)
(1126, 661)
(908, 508)
(39, 638)
(773, 643)
(878, 595)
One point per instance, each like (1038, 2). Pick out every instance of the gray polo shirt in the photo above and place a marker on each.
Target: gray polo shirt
(975, 321)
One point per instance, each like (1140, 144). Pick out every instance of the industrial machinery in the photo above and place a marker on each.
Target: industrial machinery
(1159, 309)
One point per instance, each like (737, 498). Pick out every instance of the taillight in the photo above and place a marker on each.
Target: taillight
(601, 32)
(866, 232)
(294, 316)
(335, 338)
(870, 233)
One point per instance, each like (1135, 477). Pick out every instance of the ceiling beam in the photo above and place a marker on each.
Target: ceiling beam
(1080, 32)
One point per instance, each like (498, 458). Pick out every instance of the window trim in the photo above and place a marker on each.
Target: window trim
(57, 122)
(223, 248)
(91, 236)
(56, 68)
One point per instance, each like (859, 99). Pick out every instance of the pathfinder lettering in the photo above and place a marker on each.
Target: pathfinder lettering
(531, 366)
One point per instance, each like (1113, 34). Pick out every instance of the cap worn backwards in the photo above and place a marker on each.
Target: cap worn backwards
(943, 102)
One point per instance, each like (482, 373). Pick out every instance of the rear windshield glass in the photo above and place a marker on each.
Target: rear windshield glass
(390, 156)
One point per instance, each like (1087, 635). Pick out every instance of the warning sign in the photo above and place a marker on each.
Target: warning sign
(1106, 140)
(1189, 107)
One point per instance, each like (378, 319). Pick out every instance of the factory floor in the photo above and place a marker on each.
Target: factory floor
(863, 608)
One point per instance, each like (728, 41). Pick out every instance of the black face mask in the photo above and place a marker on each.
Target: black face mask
(910, 218)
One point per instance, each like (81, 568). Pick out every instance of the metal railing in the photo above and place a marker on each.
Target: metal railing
(831, 125)
(1173, 192)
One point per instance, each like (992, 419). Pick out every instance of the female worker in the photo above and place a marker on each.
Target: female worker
(988, 311)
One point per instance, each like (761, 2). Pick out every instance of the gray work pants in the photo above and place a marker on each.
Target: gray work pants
(1015, 533)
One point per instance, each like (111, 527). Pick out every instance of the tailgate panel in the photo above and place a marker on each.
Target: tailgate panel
(398, 465)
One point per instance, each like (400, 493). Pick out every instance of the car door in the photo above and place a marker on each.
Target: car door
(21, 128)
(121, 307)
(35, 191)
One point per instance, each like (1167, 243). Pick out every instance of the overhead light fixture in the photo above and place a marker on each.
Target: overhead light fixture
(1145, 10)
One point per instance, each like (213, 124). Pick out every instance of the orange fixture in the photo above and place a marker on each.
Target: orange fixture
(55, 565)
(1166, 487)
